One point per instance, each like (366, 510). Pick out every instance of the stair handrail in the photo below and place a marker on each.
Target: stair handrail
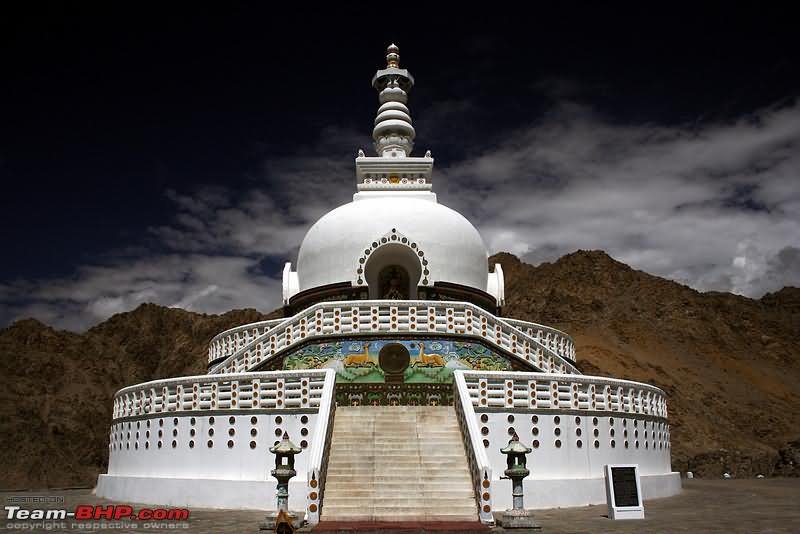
(480, 469)
(318, 459)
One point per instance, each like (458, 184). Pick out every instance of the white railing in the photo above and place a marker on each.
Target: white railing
(318, 460)
(332, 319)
(273, 389)
(480, 469)
(499, 389)
(550, 337)
(227, 342)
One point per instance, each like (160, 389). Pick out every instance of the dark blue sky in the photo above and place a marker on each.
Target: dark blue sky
(107, 107)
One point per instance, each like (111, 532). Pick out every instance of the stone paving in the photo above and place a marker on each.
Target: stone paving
(746, 505)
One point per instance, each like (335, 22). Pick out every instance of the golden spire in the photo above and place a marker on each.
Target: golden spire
(393, 57)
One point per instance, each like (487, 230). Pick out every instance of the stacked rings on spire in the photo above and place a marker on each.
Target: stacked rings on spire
(393, 132)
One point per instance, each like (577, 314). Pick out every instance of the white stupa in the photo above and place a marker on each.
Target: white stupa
(394, 371)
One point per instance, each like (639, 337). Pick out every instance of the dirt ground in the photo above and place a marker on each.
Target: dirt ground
(736, 505)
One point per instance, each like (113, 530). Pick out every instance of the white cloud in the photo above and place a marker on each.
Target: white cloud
(682, 202)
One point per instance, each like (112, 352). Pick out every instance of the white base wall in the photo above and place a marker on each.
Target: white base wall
(570, 492)
(260, 494)
(199, 492)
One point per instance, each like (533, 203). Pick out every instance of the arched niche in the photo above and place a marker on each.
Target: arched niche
(389, 264)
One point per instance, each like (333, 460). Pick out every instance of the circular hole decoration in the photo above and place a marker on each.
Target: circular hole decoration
(486, 443)
(558, 444)
(230, 443)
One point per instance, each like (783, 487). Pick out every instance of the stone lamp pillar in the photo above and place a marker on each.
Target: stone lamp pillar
(284, 452)
(516, 470)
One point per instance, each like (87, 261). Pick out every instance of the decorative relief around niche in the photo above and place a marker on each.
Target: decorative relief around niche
(392, 237)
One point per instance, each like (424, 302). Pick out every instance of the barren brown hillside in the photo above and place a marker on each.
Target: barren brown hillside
(729, 365)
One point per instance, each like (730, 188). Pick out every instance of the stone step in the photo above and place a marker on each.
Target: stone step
(378, 468)
(405, 474)
(397, 451)
(407, 471)
(456, 492)
(453, 491)
(355, 460)
(361, 424)
(387, 513)
(389, 500)
(400, 518)
(432, 486)
(378, 465)
(401, 441)
(395, 480)
(395, 511)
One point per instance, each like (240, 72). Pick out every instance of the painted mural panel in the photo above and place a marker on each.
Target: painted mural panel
(430, 360)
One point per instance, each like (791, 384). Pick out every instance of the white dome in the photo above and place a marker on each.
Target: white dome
(441, 239)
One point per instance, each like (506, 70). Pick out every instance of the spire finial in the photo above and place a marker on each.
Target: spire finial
(393, 56)
(393, 132)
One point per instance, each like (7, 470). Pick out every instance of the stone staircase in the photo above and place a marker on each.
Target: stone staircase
(397, 463)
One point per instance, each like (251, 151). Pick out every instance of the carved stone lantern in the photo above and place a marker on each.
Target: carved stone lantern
(516, 470)
(284, 452)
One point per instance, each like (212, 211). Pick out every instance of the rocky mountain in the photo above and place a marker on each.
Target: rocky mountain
(730, 366)
(55, 406)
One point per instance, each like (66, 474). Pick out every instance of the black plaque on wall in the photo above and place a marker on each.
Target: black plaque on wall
(623, 481)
